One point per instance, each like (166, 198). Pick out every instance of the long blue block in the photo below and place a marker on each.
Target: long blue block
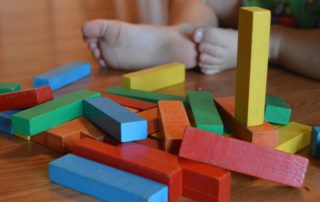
(104, 182)
(115, 120)
(63, 75)
(5, 121)
(314, 148)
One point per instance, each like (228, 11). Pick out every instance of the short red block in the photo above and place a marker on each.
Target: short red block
(243, 157)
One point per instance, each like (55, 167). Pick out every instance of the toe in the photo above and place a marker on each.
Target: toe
(103, 63)
(96, 53)
(198, 35)
(209, 60)
(209, 70)
(95, 28)
(213, 50)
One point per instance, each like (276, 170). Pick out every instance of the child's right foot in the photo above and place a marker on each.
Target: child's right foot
(127, 46)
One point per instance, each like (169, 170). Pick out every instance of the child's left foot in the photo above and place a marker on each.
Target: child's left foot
(218, 49)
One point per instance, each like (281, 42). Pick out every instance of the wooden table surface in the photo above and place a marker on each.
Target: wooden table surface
(39, 35)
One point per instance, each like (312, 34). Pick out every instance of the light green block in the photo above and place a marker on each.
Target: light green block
(51, 114)
(9, 87)
(277, 111)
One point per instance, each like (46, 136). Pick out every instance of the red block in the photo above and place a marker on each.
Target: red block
(150, 142)
(25, 99)
(203, 182)
(129, 102)
(243, 157)
(151, 115)
(138, 159)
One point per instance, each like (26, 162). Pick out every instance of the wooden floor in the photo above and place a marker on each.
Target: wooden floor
(38, 35)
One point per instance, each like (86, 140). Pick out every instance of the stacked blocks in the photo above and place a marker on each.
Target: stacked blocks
(277, 111)
(314, 149)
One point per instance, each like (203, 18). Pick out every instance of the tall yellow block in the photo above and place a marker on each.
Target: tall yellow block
(253, 53)
(155, 78)
(293, 137)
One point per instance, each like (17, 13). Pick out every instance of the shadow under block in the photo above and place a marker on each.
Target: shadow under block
(142, 95)
(9, 87)
(155, 78)
(253, 43)
(104, 182)
(243, 157)
(203, 182)
(5, 121)
(205, 112)
(115, 120)
(25, 99)
(173, 121)
(137, 159)
(277, 110)
(265, 135)
(293, 137)
(129, 102)
(151, 115)
(51, 114)
(63, 75)
(314, 149)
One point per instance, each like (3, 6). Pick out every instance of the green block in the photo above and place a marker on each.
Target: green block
(51, 114)
(205, 112)
(277, 111)
(143, 95)
(9, 87)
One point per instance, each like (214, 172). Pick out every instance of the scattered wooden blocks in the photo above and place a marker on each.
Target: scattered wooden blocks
(265, 135)
(115, 120)
(243, 157)
(9, 87)
(51, 114)
(151, 115)
(205, 113)
(293, 137)
(104, 182)
(63, 75)
(314, 149)
(137, 159)
(5, 121)
(173, 121)
(25, 99)
(254, 31)
(155, 78)
(277, 111)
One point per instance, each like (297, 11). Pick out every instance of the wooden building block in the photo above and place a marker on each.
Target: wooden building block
(142, 95)
(314, 149)
(155, 78)
(129, 102)
(115, 120)
(151, 142)
(137, 159)
(5, 121)
(253, 41)
(41, 138)
(205, 112)
(293, 137)
(264, 135)
(51, 114)
(132, 109)
(173, 121)
(203, 182)
(151, 115)
(25, 99)
(179, 90)
(63, 75)
(93, 133)
(9, 87)
(25, 137)
(243, 157)
(104, 182)
(277, 111)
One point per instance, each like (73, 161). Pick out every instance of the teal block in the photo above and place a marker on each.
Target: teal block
(9, 87)
(277, 111)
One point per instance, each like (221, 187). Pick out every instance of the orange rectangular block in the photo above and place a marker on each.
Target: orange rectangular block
(151, 115)
(93, 133)
(264, 135)
(40, 138)
(173, 121)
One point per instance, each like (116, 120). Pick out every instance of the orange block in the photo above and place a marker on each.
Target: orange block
(40, 138)
(93, 133)
(263, 135)
(173, 121)
(151, 115)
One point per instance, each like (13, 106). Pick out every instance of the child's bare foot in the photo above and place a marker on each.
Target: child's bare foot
(127, 46)
(218, 49)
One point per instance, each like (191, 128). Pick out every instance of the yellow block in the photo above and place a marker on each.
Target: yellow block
(26, 137)
(293, 137)
(253, 51)
(155, 78)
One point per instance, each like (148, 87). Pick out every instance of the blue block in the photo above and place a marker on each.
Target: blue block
(63, 75)
(115, 120)
(314, 148)
(104, 182)
(5, 121)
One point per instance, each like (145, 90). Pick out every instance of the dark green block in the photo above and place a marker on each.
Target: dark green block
(143, 95)
(277, 110)
(51, 114)
(9, 87)
(205, 112)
